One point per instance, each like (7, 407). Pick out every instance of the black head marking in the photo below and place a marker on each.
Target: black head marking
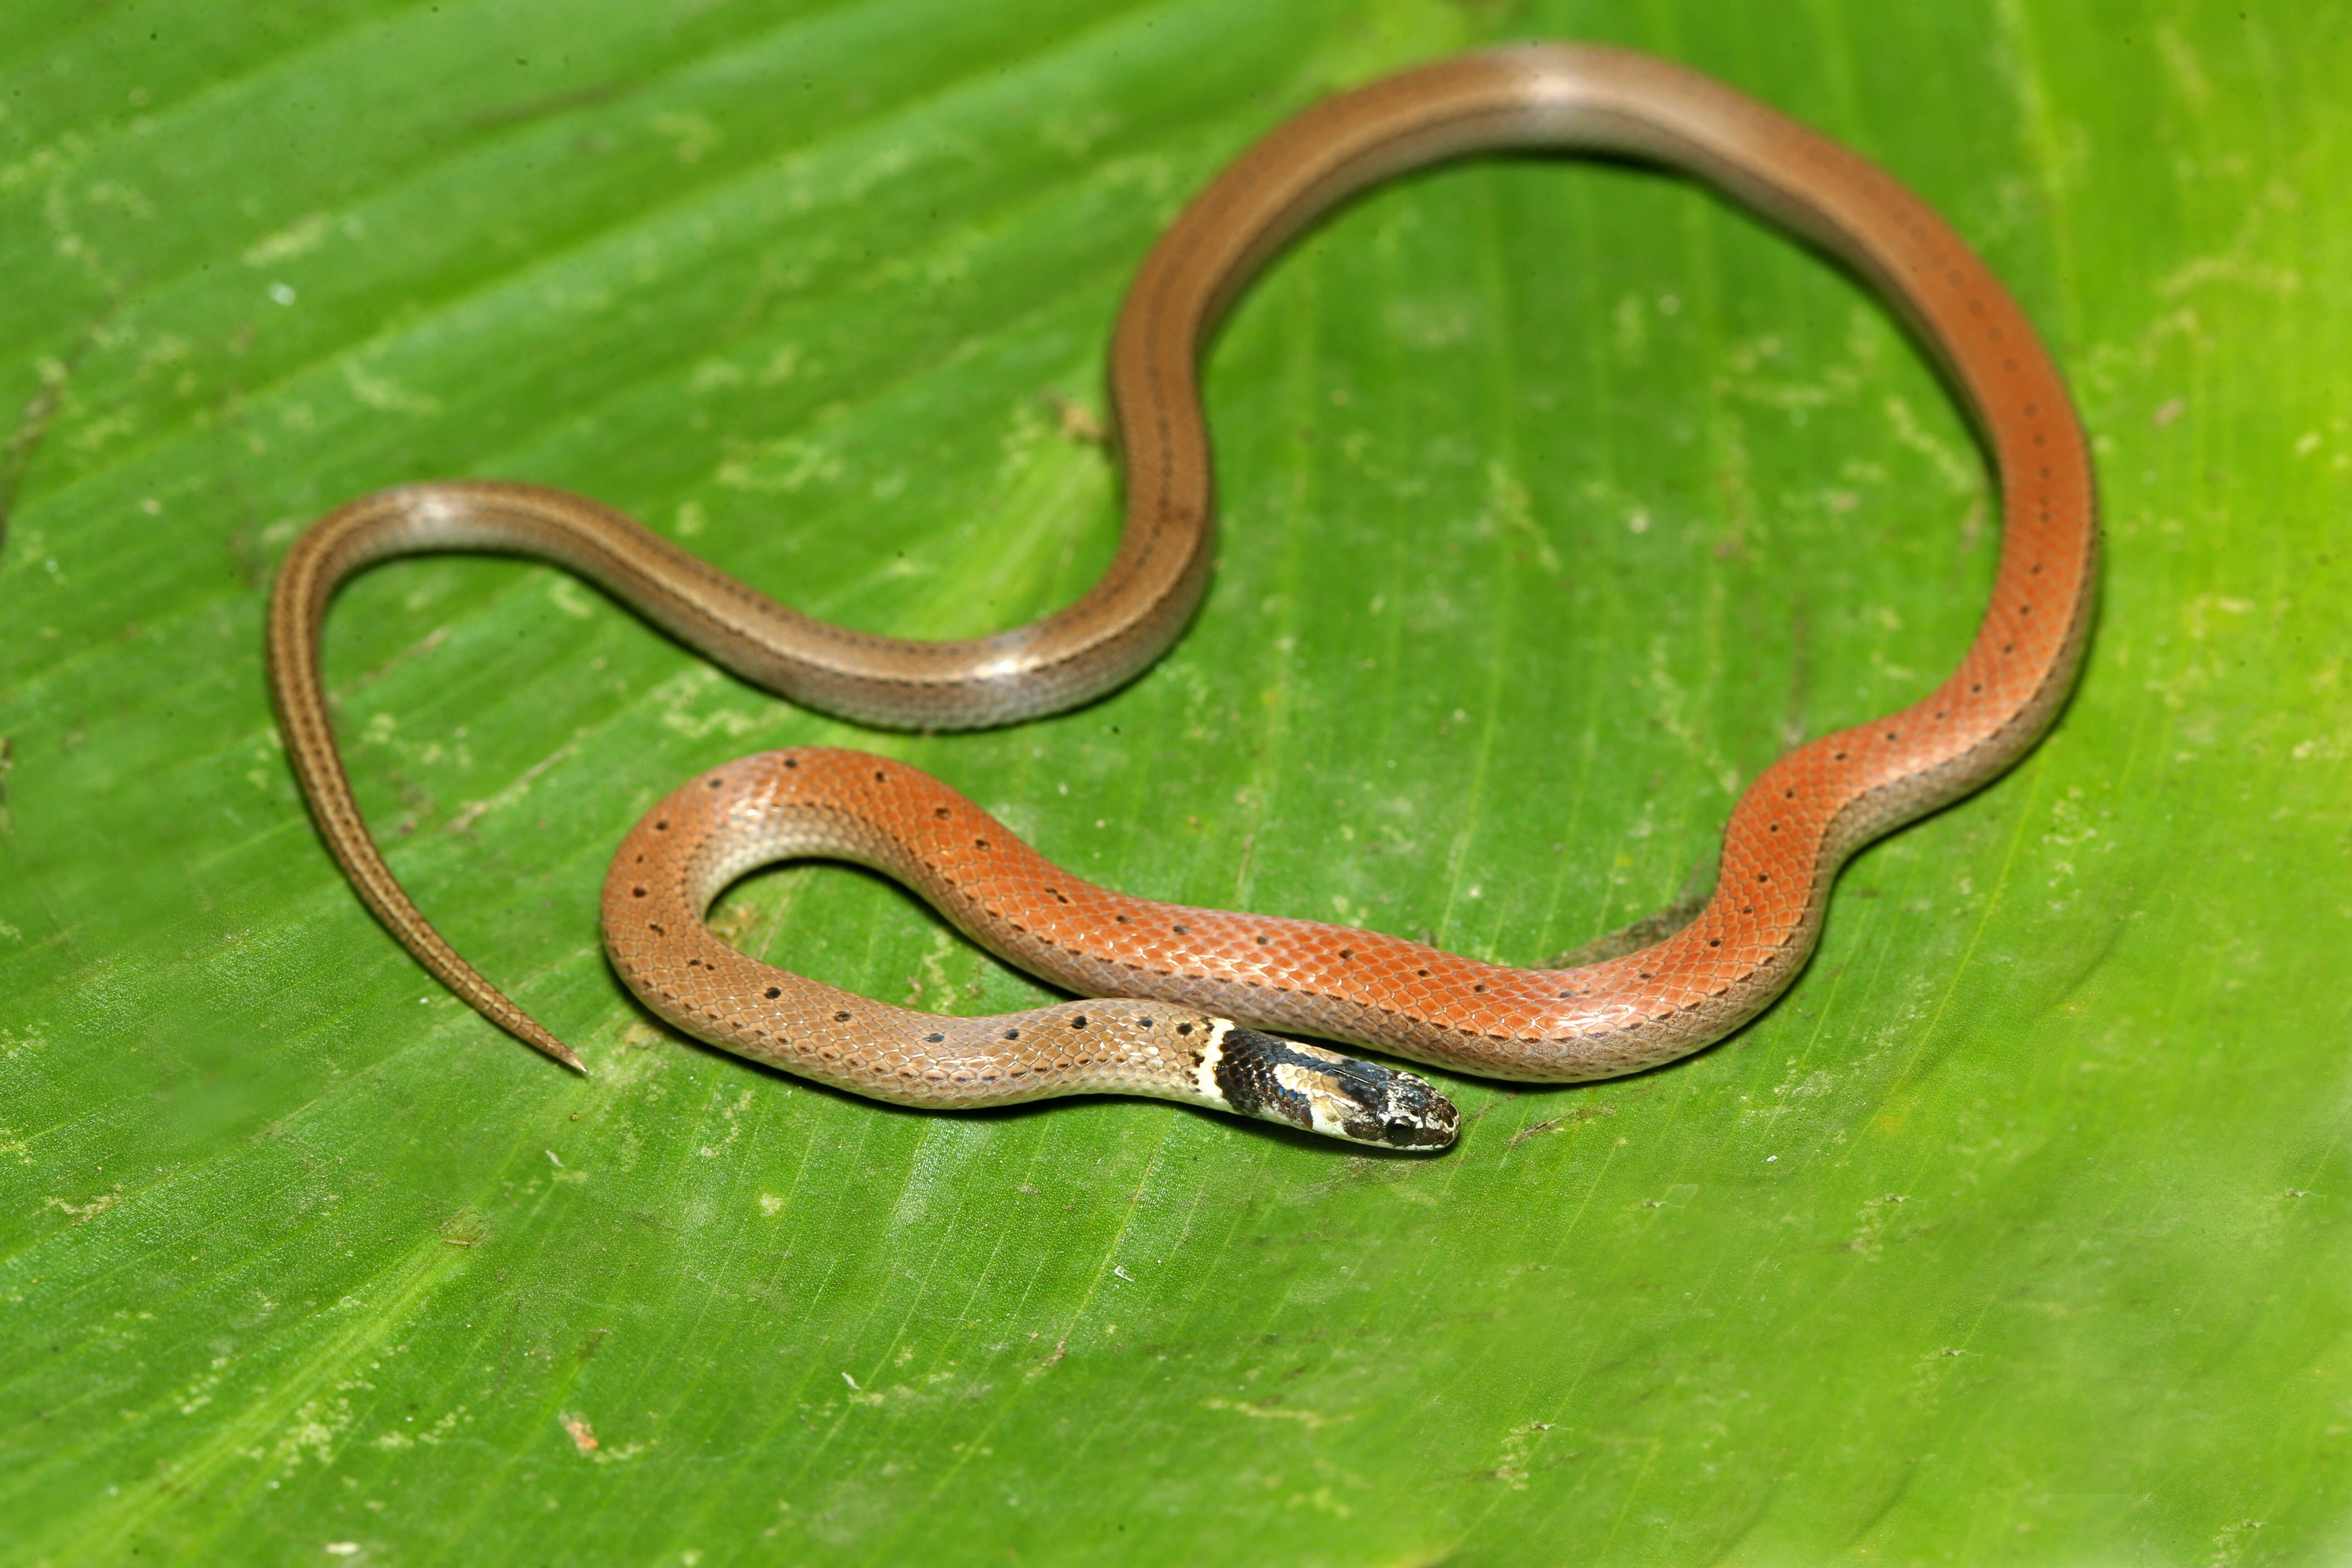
(1383, 1106)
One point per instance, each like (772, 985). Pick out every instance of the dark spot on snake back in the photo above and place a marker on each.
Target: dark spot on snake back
(841, 1017)
(774, 992)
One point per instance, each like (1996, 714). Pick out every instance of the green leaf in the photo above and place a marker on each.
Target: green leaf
(1559, 500)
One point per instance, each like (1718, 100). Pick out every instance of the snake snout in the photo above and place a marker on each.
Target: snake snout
(1416, 1116)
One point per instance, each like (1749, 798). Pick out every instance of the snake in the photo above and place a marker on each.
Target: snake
(1198, 1005)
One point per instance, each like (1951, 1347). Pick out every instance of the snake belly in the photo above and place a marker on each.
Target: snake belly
(1788, 835)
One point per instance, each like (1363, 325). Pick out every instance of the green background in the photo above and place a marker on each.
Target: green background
(1559, 500)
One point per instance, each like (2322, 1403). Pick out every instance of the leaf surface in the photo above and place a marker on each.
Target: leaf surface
(1558, 500)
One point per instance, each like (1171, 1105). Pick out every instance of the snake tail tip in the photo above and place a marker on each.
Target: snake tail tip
(549, 1045)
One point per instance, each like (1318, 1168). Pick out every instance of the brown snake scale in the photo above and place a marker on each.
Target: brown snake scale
(1214, 980)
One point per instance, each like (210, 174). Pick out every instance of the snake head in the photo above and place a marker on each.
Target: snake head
(1322, 1091)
